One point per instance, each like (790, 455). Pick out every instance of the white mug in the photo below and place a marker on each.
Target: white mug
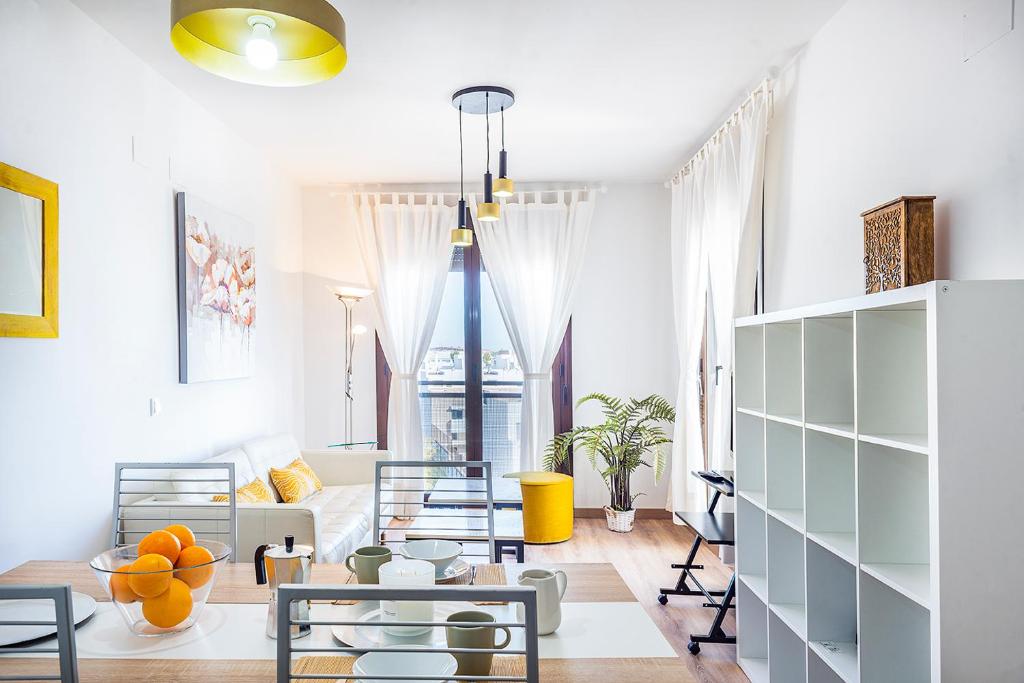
(405, 574)
(550, 587)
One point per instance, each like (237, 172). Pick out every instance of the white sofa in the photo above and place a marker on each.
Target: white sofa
(334, 521)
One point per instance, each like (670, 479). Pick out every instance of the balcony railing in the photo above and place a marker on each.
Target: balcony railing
(443, 411)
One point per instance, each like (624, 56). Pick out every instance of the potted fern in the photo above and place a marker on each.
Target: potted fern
(631, 436)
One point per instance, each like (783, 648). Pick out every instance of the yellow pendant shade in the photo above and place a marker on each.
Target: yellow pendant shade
(309, 36)
(462, 237)
(488, 211)
(504, 187)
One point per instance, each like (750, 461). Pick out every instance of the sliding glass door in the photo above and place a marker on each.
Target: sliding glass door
(471, 381)
(501, 385)
(442, 376)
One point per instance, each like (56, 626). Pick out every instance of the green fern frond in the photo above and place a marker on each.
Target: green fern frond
(659, 463)
(620, 445)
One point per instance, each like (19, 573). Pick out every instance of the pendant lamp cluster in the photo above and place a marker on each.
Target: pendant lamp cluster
(483, 100)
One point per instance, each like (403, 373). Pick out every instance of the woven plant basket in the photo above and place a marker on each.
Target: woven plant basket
(621, 522)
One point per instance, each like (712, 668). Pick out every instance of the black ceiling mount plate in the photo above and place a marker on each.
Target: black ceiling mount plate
(483, 99)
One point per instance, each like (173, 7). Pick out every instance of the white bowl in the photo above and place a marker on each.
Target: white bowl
(440, 664)
(438, 553)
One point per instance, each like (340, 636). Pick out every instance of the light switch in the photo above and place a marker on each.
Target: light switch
(154, 407)
(984, 23)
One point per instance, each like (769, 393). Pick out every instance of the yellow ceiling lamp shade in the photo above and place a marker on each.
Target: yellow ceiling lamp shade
(262, 42)
(504, 187)
(462, 237)
(488, 211)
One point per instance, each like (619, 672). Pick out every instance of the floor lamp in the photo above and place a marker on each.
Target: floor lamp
(350, 296)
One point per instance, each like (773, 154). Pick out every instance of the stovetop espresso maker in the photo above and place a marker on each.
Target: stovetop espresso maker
(280, 564)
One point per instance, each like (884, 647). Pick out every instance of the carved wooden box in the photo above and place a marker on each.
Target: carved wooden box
(899, 244)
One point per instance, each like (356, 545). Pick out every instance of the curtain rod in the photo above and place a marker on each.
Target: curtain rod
(603, 189)
(765, 88)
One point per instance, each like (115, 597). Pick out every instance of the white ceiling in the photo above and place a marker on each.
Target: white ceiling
(607, 90)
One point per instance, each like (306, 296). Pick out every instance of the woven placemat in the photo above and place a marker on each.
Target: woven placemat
(486, 575)
(508, 665)
(500, 666)
(351, 579)
(322, 665)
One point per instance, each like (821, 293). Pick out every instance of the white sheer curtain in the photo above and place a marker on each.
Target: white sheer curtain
(407, 249)
(734, 230)
(534, 255)
(689, 294)
(716, 233)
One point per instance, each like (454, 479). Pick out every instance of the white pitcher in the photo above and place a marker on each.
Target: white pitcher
(550, 587)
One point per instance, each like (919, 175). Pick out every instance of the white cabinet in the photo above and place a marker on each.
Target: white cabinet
(879, 463)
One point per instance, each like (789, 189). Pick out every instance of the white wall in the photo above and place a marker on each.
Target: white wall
(332, 256)
(880, 104)
(622, 330)
(71, 101)
(622, 325)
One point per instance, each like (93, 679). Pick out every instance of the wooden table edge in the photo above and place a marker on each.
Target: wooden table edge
(588, 581)
(635, 670)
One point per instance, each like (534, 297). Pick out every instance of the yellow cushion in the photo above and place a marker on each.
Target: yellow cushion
(302, 466)
(256, 491)
(295, 482)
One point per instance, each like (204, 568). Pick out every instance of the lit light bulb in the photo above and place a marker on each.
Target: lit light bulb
(261, 50)
(359, 330)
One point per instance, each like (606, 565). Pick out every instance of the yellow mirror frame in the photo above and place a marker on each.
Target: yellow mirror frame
(45, 325)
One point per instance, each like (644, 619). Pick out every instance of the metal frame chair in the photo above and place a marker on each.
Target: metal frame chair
(64, 621)
(288, 593)
(163, 476)
(407, 484)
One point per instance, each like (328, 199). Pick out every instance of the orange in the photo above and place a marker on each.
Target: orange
(162, 543)
(190, 557)
(119, 588)
(171, 607)
(184, 534)
(153, 584)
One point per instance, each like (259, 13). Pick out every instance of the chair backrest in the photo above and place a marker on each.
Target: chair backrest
(137, 512)
(525, 670)
(401, 491)
(64, 621)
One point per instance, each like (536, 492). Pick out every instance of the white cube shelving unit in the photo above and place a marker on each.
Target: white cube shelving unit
(879, 456)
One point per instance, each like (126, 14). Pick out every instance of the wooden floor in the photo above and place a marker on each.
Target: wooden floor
(643, 557)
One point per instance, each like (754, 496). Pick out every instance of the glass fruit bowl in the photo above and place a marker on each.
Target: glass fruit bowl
(154, 595)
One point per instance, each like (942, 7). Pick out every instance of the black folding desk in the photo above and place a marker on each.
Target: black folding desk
(714, 528)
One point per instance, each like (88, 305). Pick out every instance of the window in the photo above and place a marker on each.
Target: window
(501, 385)
(470, 380)
(442, 376)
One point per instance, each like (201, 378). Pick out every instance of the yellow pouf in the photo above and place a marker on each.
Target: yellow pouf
(547, 506)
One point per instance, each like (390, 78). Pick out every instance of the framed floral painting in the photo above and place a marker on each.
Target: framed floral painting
(216, 293)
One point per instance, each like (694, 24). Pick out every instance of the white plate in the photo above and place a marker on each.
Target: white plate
(454, 570)
(440, 664)
(365, 635)
(82, 607)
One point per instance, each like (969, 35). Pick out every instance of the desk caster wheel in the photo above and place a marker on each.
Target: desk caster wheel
(693, 647)
(663, 599)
